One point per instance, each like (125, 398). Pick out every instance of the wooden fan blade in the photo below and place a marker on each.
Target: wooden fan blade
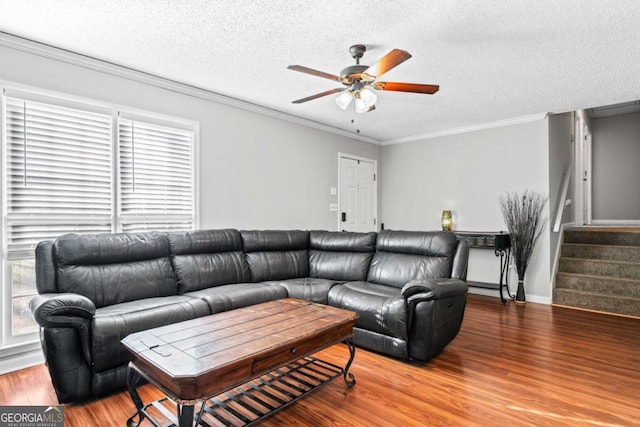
(406, 87)
(318, 95)
(387, 62)
(313, 72)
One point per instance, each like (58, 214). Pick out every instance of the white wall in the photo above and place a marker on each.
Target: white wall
(255, 171)
(615, 176)
(467, 173)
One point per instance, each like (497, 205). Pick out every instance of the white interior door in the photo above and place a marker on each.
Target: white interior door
(357, 196)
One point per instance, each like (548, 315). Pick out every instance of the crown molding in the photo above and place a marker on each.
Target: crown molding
(84, 61)
(490, 125)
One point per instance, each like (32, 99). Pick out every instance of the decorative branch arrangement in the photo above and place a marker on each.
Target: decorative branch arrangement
(522, 214)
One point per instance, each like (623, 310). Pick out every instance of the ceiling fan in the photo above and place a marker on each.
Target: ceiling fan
(360, 79)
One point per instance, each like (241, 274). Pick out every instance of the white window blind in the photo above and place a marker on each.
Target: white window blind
(156, 176)
(58, 172)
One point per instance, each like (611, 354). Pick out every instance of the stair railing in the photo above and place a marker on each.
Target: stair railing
(562, 200)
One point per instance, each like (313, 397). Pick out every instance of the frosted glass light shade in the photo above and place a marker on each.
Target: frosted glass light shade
(344, 99)
(368, 97)
(365, 100)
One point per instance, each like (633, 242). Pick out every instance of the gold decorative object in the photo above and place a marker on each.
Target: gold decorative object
(446, 220)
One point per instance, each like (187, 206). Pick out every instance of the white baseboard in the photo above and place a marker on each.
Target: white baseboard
(496, 294)
(614, 222)
(485, 292)
(539, 300)
(20, 360)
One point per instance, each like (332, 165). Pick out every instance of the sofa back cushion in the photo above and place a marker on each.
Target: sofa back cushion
(114, 268)
(207, 258)
(402, 256)
(276, 255)
(343, 256)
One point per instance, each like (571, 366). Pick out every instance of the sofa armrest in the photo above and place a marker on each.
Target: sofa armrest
(59, 311)
(461, 260)
(432, 289)
(62, 310)
(421, 291)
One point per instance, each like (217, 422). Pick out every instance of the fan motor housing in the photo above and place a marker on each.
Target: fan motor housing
(353, 71)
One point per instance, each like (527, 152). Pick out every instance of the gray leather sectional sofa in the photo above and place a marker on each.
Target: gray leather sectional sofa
(408, 289)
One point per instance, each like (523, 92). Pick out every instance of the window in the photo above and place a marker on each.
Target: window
(156, 178)
(83, 168)
(58, 172)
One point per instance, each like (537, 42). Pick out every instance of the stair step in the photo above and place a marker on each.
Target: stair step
(628, 306)
(608, 252)
(599, 284)
(602, 237)
(598, 267)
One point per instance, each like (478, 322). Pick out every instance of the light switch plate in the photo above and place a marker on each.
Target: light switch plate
(333, 191)
(333, 207)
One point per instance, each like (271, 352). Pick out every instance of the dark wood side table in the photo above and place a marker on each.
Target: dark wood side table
(501, 245)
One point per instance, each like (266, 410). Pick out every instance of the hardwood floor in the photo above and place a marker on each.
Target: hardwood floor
(510, 365)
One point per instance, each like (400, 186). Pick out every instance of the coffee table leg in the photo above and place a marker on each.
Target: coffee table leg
(185, 414)
(349, 379)
(133, 381)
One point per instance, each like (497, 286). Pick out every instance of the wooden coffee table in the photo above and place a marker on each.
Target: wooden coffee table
(239, 366)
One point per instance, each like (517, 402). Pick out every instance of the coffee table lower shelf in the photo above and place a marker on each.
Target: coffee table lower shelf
(253, 401)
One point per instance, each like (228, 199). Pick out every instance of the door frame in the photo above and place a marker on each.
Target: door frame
(583, 166)
(587, 184)
(582, 172)
(375, 187)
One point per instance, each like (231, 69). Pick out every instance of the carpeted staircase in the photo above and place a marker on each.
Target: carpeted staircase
(599, 269)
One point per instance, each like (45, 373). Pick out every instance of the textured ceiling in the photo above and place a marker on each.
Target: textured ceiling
(493, 60)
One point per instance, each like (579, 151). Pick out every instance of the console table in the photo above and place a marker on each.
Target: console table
(501, 245)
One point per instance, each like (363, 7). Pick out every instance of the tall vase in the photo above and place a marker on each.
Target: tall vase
(520, 298)
(446, 220)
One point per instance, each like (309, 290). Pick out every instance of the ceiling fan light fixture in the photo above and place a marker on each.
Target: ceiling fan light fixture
(344, 99)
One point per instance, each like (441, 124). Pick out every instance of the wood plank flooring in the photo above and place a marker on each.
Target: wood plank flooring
(513, 365)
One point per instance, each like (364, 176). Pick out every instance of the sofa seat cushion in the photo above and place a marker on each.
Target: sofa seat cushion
(111, 324)
(228, 297)
(380, 308)
(308, 288)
